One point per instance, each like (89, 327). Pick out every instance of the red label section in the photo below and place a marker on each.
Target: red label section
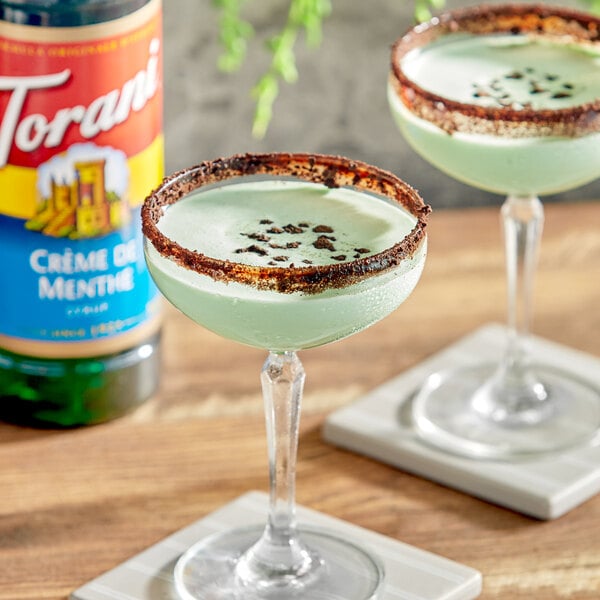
(53, 95)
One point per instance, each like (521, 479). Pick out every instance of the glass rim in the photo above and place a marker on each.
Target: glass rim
(550, 22)
(331, 171)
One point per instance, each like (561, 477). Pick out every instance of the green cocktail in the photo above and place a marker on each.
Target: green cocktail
(504, 72)
(505, 98)
(284, 224)
(283, 252)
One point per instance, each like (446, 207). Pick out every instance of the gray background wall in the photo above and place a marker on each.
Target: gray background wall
(338, 104)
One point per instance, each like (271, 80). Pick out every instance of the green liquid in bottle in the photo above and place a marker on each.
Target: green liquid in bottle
(71, 392)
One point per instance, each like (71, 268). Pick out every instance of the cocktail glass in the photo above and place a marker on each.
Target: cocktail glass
(505, 98)
(283, 252)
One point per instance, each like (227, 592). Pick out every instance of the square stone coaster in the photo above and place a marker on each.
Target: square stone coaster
(377, 425)
(411, 574)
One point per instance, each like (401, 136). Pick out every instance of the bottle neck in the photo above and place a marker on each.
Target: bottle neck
(66, 13)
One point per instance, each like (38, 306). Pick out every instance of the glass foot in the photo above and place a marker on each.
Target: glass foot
(450, 412)
(209, 570)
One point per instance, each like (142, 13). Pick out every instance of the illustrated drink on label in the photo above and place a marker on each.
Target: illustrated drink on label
(81, 145)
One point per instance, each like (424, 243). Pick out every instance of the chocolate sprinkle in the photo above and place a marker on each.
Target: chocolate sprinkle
(536, 88)
(293, 229)
(323, 229)
(286, 246)
(260, 237)
(324, 243)
(254, 248)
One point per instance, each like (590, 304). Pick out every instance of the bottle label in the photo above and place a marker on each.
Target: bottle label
(81, 145)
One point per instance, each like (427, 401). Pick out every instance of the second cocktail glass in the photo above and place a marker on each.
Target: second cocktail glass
(505, 98)
(283, 252)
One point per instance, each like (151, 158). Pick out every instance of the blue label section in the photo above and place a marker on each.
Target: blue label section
(56, 289)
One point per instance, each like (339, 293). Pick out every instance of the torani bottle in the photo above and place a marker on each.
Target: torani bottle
(81, 145)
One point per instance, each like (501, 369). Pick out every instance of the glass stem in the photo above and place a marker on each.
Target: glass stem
(523, 221)
(279, 553)
(283, 383)
(514, 395)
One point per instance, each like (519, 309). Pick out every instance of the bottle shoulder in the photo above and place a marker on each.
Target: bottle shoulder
(66, 13)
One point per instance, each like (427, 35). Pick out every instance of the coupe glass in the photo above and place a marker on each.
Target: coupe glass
(505, 98)
(283, 252)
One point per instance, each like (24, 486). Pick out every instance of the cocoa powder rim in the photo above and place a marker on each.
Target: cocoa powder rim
(331, 171)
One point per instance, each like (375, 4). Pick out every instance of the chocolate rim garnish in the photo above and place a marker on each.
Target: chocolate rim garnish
(331, 171)
(561, 25)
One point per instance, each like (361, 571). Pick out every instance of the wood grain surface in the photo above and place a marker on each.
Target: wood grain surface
(74, 504)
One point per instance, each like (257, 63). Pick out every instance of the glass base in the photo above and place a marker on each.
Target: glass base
(209, 570)
(445, 414)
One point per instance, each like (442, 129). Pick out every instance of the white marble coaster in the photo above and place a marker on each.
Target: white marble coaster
(377, 426)
(411, 574)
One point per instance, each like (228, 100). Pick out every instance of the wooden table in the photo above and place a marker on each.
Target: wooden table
(74, 504)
